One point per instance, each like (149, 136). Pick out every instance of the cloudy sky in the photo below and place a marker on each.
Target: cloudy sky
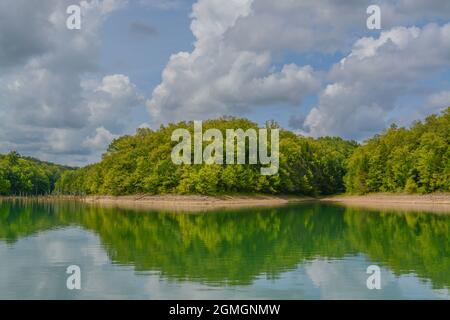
(312, 65)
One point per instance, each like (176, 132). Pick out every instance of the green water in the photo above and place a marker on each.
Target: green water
(307, 251)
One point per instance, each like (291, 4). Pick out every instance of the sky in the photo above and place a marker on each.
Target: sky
(311, 65)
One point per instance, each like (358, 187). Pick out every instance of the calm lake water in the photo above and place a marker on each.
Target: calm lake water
(307, 251)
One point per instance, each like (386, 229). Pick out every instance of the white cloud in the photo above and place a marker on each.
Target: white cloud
(216, 78)
(368, 83)
(101, 139)
(323, 26)
(54, 99)
(109, 102)
(49, 107)
(106, 107)
(231, 69)
(439, 100)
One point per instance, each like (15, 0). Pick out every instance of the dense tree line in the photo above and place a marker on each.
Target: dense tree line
(23, 176)
(415, 159)
(142, 164)
(404, 160)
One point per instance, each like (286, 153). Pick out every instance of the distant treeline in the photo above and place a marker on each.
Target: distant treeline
(411, 160)
(404, 160)
(142, 164)
(24, 176)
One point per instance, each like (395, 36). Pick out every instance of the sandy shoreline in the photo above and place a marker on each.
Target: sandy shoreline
(194, 202)
(437, 202)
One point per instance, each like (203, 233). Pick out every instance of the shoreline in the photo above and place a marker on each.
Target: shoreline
(438, 202)
(194, 203)
(434, 202)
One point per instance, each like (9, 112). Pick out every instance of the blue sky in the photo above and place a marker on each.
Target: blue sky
(143, 56)
(313, 66)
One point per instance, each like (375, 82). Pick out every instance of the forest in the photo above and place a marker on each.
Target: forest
(411, 160)
(24, 176)
(142, 164)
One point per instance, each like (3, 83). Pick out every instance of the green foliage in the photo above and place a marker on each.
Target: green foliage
(142, 164)
(27, 176)
(404, 160)
(237, 246)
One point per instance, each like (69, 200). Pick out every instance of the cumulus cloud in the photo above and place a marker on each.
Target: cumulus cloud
(233, 67)
(102, 137)
(439, 100)
(23, 32)
(324, 26)
(106, 114)
(56, 103)
(367, 84)
(109, 102)
(51, 101)
(216, 78)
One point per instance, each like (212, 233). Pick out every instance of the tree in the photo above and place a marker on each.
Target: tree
(400, 159)
(142, 163)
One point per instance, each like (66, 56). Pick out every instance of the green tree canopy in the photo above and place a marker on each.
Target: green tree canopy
(142, 164)
(27, 176)
(403, 160)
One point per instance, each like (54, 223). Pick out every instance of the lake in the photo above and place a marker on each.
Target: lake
(302, 251)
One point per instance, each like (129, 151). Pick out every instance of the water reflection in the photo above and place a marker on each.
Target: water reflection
(236, 247)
